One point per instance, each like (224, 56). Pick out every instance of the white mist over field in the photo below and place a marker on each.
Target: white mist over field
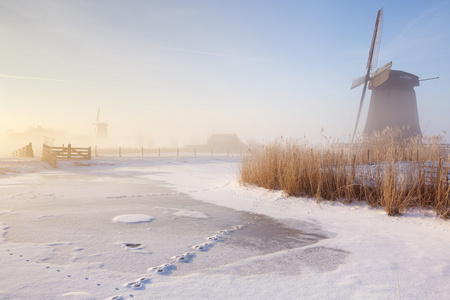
(172, 74)
(184, 228)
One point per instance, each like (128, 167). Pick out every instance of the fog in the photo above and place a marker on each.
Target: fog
(168, 75)
(146, 136)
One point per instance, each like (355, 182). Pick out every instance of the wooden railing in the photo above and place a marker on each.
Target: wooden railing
(52, 154)
(436, 171)
(25, 151)
(49, 156)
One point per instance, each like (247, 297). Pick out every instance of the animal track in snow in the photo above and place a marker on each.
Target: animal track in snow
(70, 276)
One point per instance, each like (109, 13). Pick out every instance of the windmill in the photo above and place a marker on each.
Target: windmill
(393, 101)
(101, 128)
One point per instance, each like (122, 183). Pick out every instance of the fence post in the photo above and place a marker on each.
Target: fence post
(30, 151)
(69, 151)
(120, 151)
(354, 168)
(368, 156)
(89, 153)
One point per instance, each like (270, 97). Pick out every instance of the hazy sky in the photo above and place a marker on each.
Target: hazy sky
(182, 70)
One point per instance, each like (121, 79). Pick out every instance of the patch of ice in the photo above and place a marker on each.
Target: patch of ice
(130, 219)
(191, 214)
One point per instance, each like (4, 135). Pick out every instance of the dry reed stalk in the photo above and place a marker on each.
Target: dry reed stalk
(386, 170)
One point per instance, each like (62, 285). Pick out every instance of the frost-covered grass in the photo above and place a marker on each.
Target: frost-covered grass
(387, 171)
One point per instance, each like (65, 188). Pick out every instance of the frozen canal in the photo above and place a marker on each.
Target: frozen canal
(174, 228)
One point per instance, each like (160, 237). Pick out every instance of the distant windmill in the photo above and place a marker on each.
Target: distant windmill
(101, 128)
(393, 102)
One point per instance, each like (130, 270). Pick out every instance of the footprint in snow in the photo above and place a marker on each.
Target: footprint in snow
(135, 285)
(132, 245)
(165, 269)
(138, 284)
(238, 227)
(217, 238)
(185, 257)
(202, 247)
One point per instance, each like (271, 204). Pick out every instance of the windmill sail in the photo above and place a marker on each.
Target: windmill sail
(358, 81)
(380, 75)
(375, 45)
(376, 41)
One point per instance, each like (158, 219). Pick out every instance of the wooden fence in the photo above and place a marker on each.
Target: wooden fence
(368, 155)
(52, 154)
(159, 152)
(49, 156)
(436, 171)
(25, 151)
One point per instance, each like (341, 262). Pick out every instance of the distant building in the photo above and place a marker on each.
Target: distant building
(226, 143)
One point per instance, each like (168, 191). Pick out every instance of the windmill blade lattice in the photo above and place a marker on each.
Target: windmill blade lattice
(377, 43)
(376, 39)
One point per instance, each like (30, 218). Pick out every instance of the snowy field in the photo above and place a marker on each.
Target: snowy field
(183, 228)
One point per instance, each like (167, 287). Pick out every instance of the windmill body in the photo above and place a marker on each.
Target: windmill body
(393, 104)
(101, 132)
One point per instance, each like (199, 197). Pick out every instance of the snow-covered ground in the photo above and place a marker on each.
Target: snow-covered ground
(161, 228)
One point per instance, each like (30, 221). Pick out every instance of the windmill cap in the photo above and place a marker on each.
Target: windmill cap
(400, 78)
